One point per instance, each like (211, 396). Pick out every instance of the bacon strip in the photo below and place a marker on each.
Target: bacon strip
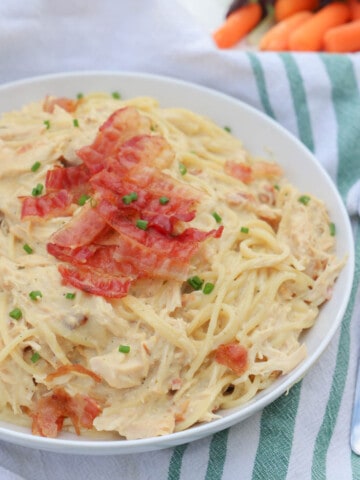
(102, 249)
(50, 412)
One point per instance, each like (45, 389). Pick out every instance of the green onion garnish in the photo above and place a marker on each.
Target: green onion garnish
(35, 357)
(83, 199)
(217, 217)
(332, 229)
(244, 230)
(35, 166)
(27, 248)
(116, 95)
(182, 168)
(124, 348)
(304, 199)
(195, 282)
(164, 200)
(142, 224)
(208, 288)
(36, 191)
(277, 187)
(47, 124)
(70, 296)
(76, 122)
(35, 294)
(131, 197)
(16, 314)
(79, 96)
(227, 129)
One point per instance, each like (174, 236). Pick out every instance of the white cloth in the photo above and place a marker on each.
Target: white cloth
(305, 434)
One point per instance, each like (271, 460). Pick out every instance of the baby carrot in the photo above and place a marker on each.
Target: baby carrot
(354, 6)
(277, 38)
(343, 39)
(310, 35)
(237, 25)
(286, 8)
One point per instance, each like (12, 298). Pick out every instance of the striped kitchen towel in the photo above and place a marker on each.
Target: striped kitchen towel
(305, 433)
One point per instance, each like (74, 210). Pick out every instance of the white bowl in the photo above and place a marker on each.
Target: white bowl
(261, 136)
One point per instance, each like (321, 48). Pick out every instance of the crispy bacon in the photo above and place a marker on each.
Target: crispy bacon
(96, 282)
(122, 125)
(63, 102)
(81, 230)
(47, 206)
(50, 412)
(258, 170)
(74, 179)
(65, 369)
(232, 355)
(102, 249)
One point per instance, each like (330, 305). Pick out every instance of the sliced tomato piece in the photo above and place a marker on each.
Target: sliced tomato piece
(50, 412)
(81, 230)
(47, 206)
(65, 103)
(73, 179)
(96, 282)
(232, 355)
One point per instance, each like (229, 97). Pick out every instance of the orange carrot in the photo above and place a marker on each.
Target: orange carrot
(237, 25)
(310, 35)
(354, 6)
(343, 39)
(287, 8)
(277, 38)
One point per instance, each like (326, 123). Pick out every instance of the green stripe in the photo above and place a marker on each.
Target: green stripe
(217, 455)
(346, 100)
(276, 436)
(299, 98)
(261, 84)
(278, 419)
(176, 462)
(347, 110)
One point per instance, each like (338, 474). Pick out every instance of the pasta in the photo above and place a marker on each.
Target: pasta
(140, 303)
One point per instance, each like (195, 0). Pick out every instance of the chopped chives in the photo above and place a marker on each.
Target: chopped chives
(116, 95)
(332, 229)
(208, 288)
(277, 187)
(217, 217)
(83, 199)
(124, 348)
(16, 314)
(35, 294)
(129, 198)
(70, 296)
(35, 357)
(142, 224)
(35, 166)
(244, 230)
(195, 282)
(79, 96)
(304, 199)
(76, 122)
(182, 168)
(47, 124)
(164, 200)
(227, 129)
(27, 248)
(36, 191)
